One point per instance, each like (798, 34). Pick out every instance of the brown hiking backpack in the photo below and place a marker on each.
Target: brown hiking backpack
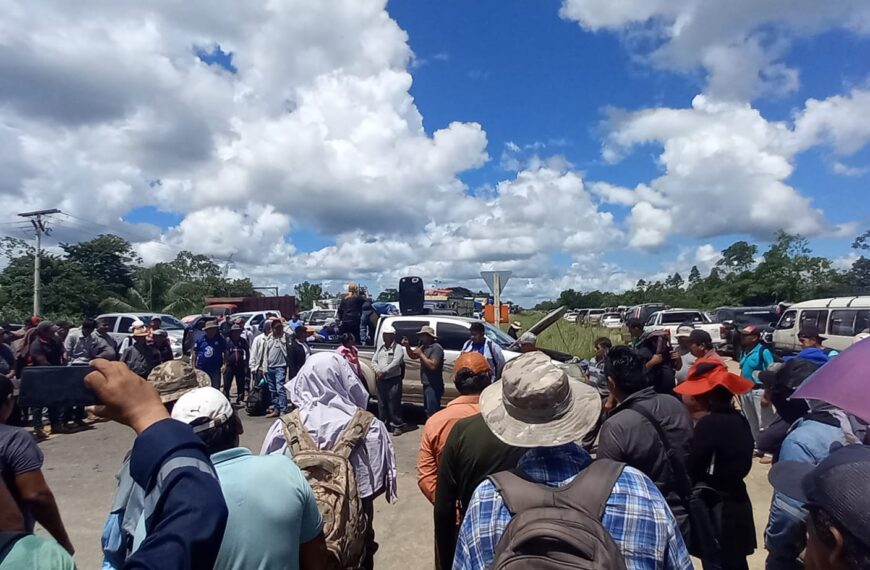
(331, 476)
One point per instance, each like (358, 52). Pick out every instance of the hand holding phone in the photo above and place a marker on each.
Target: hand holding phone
(55, 386)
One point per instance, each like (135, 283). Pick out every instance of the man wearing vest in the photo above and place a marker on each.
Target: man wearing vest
(387, 363)
(478, 342)
(537, 406)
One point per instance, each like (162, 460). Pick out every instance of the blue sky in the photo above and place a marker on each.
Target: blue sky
(578, 143)
(530, 77)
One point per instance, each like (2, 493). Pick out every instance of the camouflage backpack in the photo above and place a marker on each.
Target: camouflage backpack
(331, 477)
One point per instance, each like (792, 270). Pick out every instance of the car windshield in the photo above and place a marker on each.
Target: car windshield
(167, 322)
(497, 336)
(756, 317)
(320, 317)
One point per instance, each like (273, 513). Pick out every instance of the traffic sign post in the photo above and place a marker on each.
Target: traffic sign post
(496, 280)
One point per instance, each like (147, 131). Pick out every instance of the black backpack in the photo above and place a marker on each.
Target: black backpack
(258, 400)
(558, 527)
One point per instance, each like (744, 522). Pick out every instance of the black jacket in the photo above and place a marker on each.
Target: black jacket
(721, 456)
(627, 436)
(350, 310)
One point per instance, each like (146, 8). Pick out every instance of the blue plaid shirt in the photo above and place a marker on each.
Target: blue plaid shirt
(636, 514)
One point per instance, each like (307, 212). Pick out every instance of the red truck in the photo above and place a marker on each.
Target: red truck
(225, 306)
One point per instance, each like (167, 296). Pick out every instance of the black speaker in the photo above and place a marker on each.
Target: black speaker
(411, 295)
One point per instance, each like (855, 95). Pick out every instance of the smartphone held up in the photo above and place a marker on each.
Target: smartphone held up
(49, 386)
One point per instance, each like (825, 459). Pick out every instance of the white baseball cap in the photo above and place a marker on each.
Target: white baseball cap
(387, 329)
(205, 402)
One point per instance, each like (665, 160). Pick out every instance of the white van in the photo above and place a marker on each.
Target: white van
(838, 318)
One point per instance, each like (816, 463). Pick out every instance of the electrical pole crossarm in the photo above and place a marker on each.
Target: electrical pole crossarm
(40, 228)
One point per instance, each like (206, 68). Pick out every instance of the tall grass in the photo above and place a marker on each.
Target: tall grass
(571, 338)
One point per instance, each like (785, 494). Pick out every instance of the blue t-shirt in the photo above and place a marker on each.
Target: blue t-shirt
(210, 352)
(272, 511)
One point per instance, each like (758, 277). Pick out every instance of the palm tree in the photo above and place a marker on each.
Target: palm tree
(154, 292)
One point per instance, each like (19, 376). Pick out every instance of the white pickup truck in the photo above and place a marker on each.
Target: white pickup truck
(452, 333)
(670, 319)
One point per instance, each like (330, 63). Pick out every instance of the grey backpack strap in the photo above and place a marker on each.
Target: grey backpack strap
(353, 433)
(590, 490)
(520, 494)
(296, 435)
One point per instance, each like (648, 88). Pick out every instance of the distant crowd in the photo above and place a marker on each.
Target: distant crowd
(639, 464)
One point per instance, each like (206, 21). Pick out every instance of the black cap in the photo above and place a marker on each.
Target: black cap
(810, 331)
(700, 337)
(839, 485)
(789, 375)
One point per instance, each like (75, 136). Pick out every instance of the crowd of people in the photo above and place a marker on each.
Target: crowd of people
(639, 464)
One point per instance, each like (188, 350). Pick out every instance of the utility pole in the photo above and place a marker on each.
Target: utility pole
(39, 225)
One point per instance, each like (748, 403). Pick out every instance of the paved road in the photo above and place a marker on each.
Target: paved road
(81, 467)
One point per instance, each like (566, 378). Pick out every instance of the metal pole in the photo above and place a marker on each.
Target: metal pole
(37, 301)
(40, 227)
(496, 285)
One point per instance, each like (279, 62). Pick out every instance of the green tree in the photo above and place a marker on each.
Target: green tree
(107, 259)
(739, 256)
(67, 292)
(389, 295)
(307, 293)
(694, 276)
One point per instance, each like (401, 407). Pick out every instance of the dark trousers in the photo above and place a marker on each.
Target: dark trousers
(240, 374)
(53, 417)
(432, 398)
(726, 562)
(390, 401)
(368, 507)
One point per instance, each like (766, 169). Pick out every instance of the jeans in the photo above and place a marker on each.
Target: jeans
(786, 534)
(758, 417)
(390, 401)
(432, 398)
(240, 374)
(275, 379)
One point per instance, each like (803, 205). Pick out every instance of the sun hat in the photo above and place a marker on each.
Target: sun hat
(387, 329)
(707, 373)
(175, 378)
(427, 330)
(203, 403)
(210, 325)
(838, 485)
(684, 330)
(45, 326)
(536, 404)
(517, 325)
(527, 338)
(474, 362)
(141, 331)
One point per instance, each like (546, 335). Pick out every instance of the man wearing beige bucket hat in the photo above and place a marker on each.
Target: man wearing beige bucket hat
(536, 405)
